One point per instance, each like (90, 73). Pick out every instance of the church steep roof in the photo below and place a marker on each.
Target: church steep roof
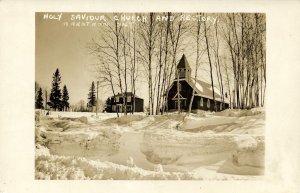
(183, 63)
(204, 89)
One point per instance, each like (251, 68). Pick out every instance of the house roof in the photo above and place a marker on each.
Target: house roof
(183, 63)
(127, 94)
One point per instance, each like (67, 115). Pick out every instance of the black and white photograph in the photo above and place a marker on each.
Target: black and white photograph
(150, 96)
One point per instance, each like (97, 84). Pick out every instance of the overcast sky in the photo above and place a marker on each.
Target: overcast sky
(63, 47)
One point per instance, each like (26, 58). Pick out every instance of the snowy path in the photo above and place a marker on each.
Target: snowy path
(129, 151)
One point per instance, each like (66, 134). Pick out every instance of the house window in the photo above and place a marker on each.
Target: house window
(128, 98)
(117, 99)
(208, 103)
(120, 108)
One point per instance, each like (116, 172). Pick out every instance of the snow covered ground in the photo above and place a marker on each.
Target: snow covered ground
(206, 146)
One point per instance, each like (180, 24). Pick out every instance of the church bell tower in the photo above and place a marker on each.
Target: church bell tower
(183, 69)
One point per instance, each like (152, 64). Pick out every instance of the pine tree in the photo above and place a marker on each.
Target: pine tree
(108, 105)
(91, 96)
(36, 89)
(39, 100)
(55, 95)
(65, 98)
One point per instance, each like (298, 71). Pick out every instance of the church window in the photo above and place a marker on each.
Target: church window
(181, 73)
(208, 103)
(201, 102)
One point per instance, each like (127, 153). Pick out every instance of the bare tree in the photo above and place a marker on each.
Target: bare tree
(198, 39)
(134, 67)
(162, 51)
(148, 36)
(157, 46)
(124, 38)
(228, 85)
(107, 48)
(210, 63)
(217, 61)
(177, 31)
(244, 37)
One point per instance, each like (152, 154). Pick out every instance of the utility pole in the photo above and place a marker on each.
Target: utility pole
(97, 99)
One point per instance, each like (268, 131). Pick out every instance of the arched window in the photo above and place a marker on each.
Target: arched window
(208, 103)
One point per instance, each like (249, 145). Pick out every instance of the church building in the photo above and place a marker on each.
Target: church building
(180, 92)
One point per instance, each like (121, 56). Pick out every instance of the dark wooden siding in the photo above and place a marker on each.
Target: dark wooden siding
(139, 105)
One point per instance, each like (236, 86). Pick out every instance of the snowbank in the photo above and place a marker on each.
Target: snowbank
(250, 151)
(53, 167)
(229, 121)
(191, 151)
(124, 119)
(75, 136)
(240, 113)
(105, 143)
(102, 116)
(221, 145)
(61, 167)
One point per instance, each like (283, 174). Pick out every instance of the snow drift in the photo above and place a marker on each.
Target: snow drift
(222, 145)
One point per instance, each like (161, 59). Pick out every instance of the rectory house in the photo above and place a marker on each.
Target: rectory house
(116, 103)
(180, 92)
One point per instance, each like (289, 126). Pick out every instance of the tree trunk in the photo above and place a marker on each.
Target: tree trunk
(178, 93)
(210, 65)
(197, 64)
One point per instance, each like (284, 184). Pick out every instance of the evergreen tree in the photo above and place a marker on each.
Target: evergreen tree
(55, 95)
(92, 96)
(65, 98)
(36, 89)
(108, 105)
(39, 100)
